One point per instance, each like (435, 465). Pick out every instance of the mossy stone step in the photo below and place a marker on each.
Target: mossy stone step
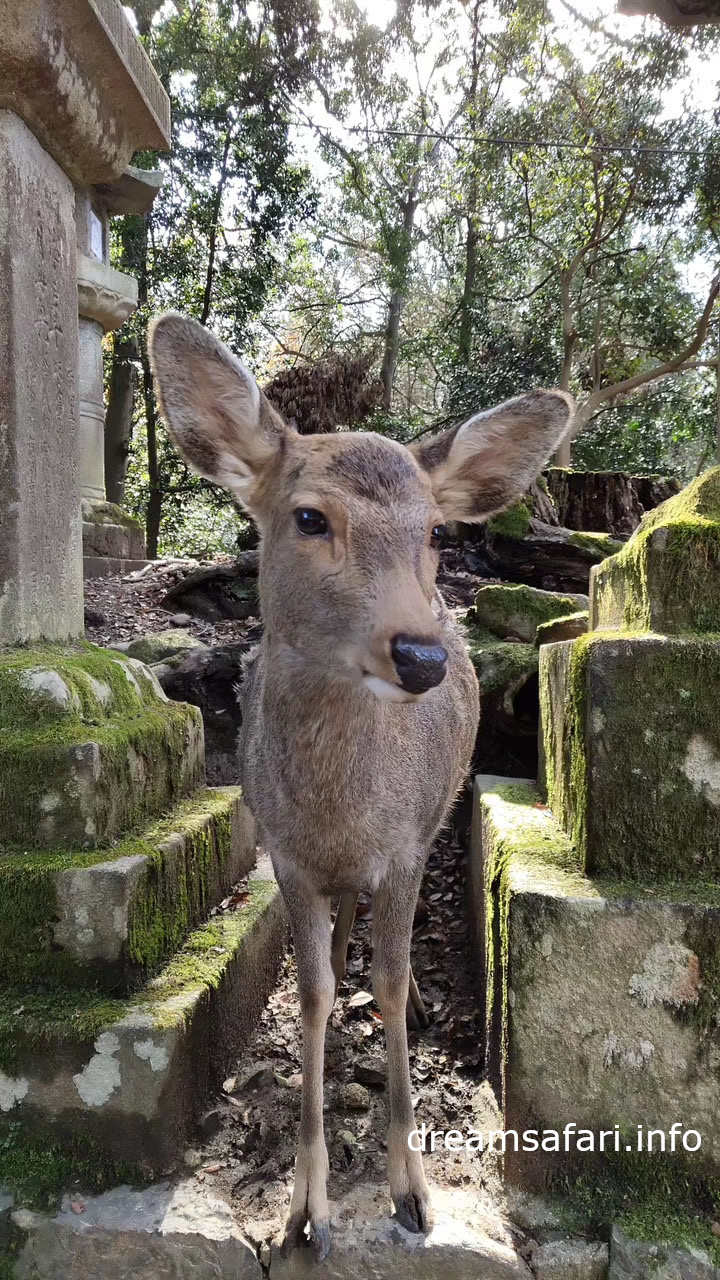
(90, 747)
(108, 917)
(602, 998)
(631, 751)
(516, 611)
(667, 577)
(127, 1078)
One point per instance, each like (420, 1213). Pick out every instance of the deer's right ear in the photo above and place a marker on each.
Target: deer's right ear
(214, 410)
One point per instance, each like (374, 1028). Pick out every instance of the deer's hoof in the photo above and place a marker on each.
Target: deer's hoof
(413, 1213)
(295, 1236)
(320, 1236)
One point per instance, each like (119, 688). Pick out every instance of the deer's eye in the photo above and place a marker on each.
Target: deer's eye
(310, 522)
(438, 532)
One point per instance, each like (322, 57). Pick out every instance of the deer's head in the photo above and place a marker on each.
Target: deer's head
(350, 522)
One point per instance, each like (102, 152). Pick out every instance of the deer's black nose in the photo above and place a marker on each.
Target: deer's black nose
(420, 666)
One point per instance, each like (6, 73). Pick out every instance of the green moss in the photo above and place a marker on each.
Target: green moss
(667, 577)
(645, 816)
(500, 665)
(177, 889)
(663, 1199)
(600, 544)
(513, 523)
(125, 769)
(83, 668)
(38, 1169)
(109, 513)
(7, 1267)
(46, 1020)
(517, 610)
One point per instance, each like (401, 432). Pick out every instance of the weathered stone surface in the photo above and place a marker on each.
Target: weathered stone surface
(570, 1260)
(40, 545)
(163, 644)
(110, 531)
(667, 577)
(107, 918)
(631, 751)
(466, 1243)
(601, 999)
(542, 555)
(637, 1260)
(166, 1232)
(569, 628)
(89, 747)
(132, 1076)
(105, 295)
(82, 82)
(512, 611)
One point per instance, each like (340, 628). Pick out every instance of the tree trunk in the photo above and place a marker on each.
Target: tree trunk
(466, 302)
(397, 300)
(154, 507)
(118, 417)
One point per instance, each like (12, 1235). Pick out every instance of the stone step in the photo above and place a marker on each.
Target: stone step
(602, 997)
(126, 1078)
(185, 1232)
(109, 917)
(111, 566)
(90, 747)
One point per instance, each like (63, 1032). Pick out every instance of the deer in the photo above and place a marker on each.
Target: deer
(360, 706)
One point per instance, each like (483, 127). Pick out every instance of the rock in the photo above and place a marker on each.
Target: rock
(609, 501)
(593, 1015)
(180, 1231)
(570, 1260)
(192, 1158)
(353, 1097)
(209, 679)
(637, 1259)
(546, 556)
(667, 577)
(507, 675)
(159, 645)
(651, 810)
(466, 1243)
(371, 1071)
(568, 628)
(93, 617)
(530, 1212)
(218, 591)
(180, 619)
(510, 610)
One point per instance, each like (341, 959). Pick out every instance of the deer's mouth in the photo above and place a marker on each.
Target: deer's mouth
(387, 690)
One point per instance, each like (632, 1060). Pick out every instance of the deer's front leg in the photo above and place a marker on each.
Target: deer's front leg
(393, 911)
(310, 920)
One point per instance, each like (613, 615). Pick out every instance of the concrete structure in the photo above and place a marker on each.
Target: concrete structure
(78, 96)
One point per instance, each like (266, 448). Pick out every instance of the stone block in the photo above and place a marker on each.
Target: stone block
(159, 645)
(128, 1078)
(631, 751)
(467, 1242)
(91, 96)
(508, 610)
(90, 747)
(167, 1230)
(602, 1000)
(110, 567)
(637, 1259)
(110, 531)
(667, 577)
(570, 1260)
(40, 542)
(110, 917)
(570, 627)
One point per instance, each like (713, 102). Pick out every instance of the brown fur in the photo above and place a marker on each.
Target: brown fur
(349, 789)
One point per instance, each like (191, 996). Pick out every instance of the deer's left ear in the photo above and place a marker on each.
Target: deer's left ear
(492, 459)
